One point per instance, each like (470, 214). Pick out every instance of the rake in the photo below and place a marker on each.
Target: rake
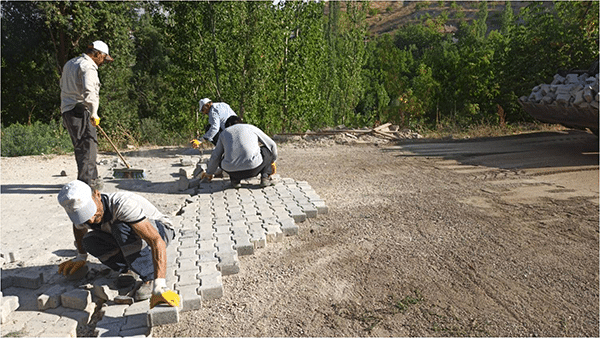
(128, 172)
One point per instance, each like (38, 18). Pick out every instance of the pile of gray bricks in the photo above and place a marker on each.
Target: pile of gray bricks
(216, 225)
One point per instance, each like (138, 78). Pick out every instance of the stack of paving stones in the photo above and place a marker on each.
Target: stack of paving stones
(215, 227)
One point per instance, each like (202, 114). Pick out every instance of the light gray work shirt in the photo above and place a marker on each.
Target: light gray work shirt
(239, 148)
(217, 116)
(79, 83)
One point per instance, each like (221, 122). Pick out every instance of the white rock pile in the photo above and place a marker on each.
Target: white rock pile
(572, 90)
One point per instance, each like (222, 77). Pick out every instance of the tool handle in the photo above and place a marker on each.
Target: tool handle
(114, 147)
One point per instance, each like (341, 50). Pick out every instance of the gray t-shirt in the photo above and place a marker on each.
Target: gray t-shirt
(127, 207)
(239, 148)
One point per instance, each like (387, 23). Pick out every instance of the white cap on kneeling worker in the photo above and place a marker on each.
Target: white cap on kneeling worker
(76, 198)
(203, 102)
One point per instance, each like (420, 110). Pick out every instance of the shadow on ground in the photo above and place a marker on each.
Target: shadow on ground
(536, 150)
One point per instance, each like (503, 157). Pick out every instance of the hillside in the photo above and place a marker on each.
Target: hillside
(387, 16)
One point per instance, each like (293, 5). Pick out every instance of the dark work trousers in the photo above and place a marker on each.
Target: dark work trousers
(264, 168)
(85, 141)
(124, 249)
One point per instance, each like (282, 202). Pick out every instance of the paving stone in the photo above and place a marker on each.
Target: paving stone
(105, 292)
(229, 263)
(190, 299)
(109, 328)
(137, 332)
(6, 281)
(38, 322)
(50, 299)
(309, 210)
(29, 279)
(211, 286)
(137, 308)
(81, 317)
(163, 314)
(289, 227)
(76, 299)
(135, 321)
(64, 327)
(9, 305)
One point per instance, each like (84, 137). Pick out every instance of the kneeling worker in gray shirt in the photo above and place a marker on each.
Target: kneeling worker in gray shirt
(239, 153)
(127, 233)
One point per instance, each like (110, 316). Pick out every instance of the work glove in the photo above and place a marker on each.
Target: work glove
(161, 294)
(204, 177)
(95, 121)
(71, 266)
(273, 168)
(195, 143)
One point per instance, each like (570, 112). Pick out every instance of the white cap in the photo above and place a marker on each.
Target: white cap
(76, 198)
(102, 47)
(203, 102)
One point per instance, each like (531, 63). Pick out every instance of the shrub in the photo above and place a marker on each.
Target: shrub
(35, 139)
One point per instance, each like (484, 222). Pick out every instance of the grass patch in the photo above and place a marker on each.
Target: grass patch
(482, 130)
(408, 301)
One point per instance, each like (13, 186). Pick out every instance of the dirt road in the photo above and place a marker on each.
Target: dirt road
(494, 237)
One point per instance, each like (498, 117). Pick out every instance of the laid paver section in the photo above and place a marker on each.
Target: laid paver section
(215, 227)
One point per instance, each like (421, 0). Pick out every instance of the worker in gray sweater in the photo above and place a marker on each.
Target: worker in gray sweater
(240, 154)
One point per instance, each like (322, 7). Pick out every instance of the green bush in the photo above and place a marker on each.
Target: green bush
(35, 139)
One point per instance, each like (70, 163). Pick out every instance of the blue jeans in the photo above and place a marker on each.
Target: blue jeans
(123, 249)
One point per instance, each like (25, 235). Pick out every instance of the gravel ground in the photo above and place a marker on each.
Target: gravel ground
(413, 245)
(412, 248)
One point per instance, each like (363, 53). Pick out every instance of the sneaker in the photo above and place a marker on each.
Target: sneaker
(126, 279)
(144, 292)
(236, 184)
(265, 182)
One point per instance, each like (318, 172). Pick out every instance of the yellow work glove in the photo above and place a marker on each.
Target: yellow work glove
(71, 266)
(204, 175)
(160, 294)
(95, 121)
(195, 143)
(273, 168)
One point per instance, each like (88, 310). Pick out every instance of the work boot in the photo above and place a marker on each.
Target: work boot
(218, 173)
(126, 279)
(265, 182)
(144, 292)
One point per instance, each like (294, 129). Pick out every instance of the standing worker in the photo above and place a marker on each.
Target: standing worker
(218, 113)
(127, 234)
(80, 98)
(239, 153)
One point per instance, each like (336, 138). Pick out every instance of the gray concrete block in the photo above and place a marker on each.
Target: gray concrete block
(29, 280)
(50, 299)
(309, 210)
(242, 244)
(38, 322)
(9, 305)
(105, 292)
(135, 321)
(211, 286)
(163, 314)
(76, 299)
(229, 263)
(190, 299)
(6, 281)
(64, 327)
(137, 308)
(81, 317)
(289, 227)
(137, 332)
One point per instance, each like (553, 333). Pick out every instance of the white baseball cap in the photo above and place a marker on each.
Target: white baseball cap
(102, 47)
(76, 198)
(203, 102)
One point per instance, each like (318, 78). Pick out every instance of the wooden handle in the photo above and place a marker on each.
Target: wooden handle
(114, 147)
